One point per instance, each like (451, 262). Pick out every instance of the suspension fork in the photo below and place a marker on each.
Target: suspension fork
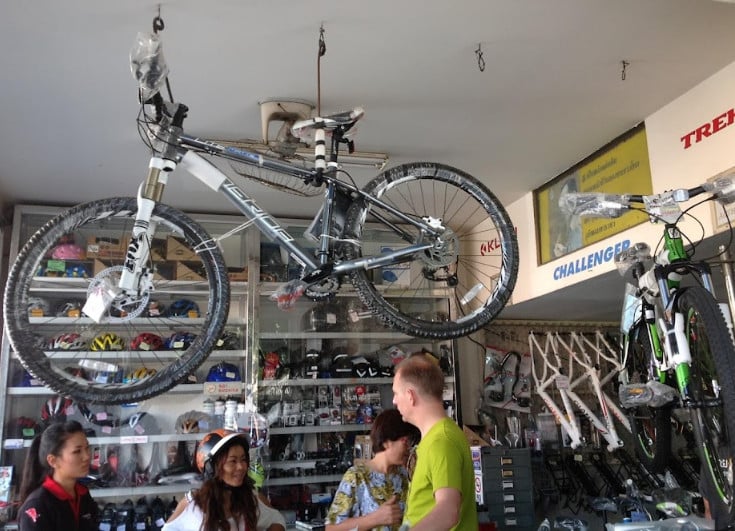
(149, 193)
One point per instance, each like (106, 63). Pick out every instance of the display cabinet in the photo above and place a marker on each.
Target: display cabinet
(319, 372)
(135, 445)
(326, 372)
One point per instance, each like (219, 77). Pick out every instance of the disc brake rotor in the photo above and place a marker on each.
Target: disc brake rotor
(124, 307)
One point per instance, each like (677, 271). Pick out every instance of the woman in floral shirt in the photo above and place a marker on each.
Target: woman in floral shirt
(373, 495)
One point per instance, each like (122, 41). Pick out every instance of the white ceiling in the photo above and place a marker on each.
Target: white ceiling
(551, 92)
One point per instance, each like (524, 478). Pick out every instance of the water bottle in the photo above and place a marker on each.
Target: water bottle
(230, 420)
(219, 414)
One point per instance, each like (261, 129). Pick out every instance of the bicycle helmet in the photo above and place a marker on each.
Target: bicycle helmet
(138, 374)
(228, 341)
(183, 308)
(70, 341)
(54, 409)
(146, 341)
(68, 251)
(24, 428)
(322, 317)
(24, 378)
(70, 308)
(155, 309)
(38, 307)
(179, 341)
(224, 372)
(77, 271)
(139, 423)
(107, 341)
(215, 444)
(341, 366)
(192, 421)
(311, 364)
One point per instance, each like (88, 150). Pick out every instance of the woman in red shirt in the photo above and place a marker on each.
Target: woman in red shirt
(51, 497)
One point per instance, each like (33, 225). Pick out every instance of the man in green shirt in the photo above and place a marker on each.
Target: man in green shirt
(442, 492)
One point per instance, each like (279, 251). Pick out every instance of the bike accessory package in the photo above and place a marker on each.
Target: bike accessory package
(148, 64)
(76, 271)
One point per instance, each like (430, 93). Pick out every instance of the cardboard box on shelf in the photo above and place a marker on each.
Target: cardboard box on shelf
(178, 250)
(106, 248)
(184, 272)
(238, 275)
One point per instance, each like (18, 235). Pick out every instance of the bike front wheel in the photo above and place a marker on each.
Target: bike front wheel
(712, 403)
(148, 341)
(472, 263)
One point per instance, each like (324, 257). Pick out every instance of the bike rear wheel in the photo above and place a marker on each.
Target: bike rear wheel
(651, 427)
(473, 264)
(112, 362)
(713, 395)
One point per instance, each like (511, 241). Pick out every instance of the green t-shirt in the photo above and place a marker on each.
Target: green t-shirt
(443, 459)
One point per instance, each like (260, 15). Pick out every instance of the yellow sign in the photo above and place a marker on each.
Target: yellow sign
(620, 167)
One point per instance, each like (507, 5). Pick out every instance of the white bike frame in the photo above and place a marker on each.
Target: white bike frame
(578, 349)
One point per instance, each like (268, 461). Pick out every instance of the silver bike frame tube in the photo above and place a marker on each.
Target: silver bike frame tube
(211, 176)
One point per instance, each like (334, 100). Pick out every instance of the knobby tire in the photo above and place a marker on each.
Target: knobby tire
(474, 265)
(60, 370)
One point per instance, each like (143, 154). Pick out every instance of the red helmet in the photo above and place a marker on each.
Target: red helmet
(211, 445)
(147, 341)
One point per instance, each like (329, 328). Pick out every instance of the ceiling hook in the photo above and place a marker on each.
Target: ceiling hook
(158, 21)
(480, 59)
(624, 69)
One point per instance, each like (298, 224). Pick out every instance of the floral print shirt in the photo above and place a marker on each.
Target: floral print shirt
(362, 491)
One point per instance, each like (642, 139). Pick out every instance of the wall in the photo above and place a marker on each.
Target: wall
(673, 165)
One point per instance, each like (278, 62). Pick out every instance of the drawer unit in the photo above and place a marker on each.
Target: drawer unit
(508, 486)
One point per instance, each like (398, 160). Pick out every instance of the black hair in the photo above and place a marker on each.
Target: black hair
(50, 442)
(390, 426)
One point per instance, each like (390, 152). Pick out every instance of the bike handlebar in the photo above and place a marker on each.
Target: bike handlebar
(602, 205)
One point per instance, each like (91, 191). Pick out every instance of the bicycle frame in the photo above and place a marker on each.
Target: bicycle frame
(314, 269)
(673, 352)
(576, 350)
(566, 418)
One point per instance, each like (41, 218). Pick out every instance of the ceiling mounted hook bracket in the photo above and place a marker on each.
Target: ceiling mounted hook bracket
(480, 58)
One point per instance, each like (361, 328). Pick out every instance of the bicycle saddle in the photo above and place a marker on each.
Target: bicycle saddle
(331, 122)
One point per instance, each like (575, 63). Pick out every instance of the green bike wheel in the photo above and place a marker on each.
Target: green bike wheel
(651, 427)
(712, 405)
